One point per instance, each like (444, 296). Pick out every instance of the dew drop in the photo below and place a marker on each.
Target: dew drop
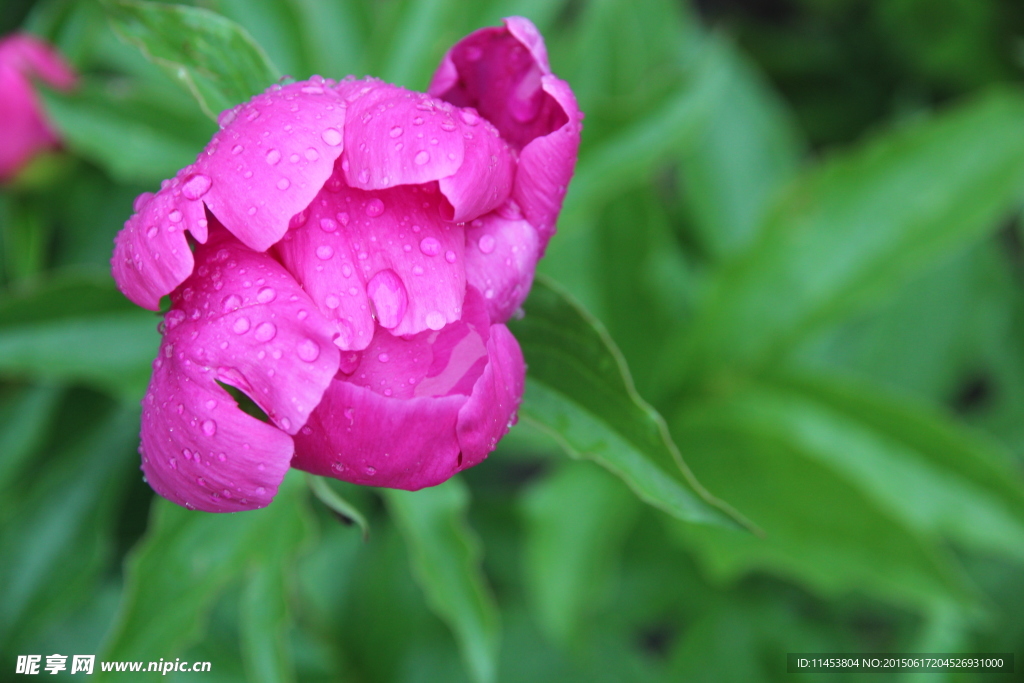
(273, 156)
(266, 295)
(265, 332)
(374, 207)
(364, 176)
(422, 157)
(312, 154)
(435, 320)
(308, 350)
(449, 256)
(152, 232)
(430, 246)
(283, 184)
(396, 131)
(328, 224)
(343, 217)
(174, 216)
(370, 471)
(469, 118)
(389, 297)
(487, 244)
(324, 252)
(383, 358)
(230, 303)
(237, 149)
(209, 427)
(196, 186)
(332, 137)
(241, 326)
(332, 301)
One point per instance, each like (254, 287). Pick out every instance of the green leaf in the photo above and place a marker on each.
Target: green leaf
(445, 557)
(25, 417)
(213, 58)
(326, 494)
(188, 558)
(264, 622)
(854, 493)
(78, 328)
(854, 228)
(747, 150)
(133, 140)
(627, 159)
(920, 466)
(58, 528)
(579, 391)
(576, 522)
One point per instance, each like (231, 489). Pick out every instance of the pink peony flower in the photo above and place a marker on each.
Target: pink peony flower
(23, 129)
(346, 254)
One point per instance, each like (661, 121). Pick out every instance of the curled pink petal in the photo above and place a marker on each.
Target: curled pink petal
(414, 412)
(349, 237)
(24, 131)
(272, 157)
(239, 320)
(397, 137)
(502, 250)
(504, 73)
(151, 253)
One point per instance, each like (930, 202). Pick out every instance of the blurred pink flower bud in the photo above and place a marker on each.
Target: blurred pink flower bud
(346, 254)
(23, 128)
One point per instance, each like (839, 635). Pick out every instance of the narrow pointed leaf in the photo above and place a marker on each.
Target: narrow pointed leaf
(579, 391)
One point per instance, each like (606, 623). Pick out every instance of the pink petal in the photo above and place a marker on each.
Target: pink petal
(501, 253)
(272, 157)
(242, 320)
(34, 58)
(396, 242)
(547, 163)
(491, 409)
(503, 72)
(397, 137)
(446, 399)
(24, 131)
(151, 253)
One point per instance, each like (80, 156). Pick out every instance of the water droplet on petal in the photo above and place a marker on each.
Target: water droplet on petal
(174, 216)
(265, 332)
(308, 350)
(430, 246)
(332, 137)
(469, 118)
(374, 207)
(283, 184)
(389, 297)
(237, 149)
(152, 232)
(383, 358)
(435, 320)
(370, 471)
(230, 303)
(487, 244)
(449, 256)
(422, 157)
(241, 326)
(328, 225)
(324, 252)
(312, 154)
(273, 156)
(364, 176)
(266, 295)
(395, 132)
(209, 427)
(196, 186)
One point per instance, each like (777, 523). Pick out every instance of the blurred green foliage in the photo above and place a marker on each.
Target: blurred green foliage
(799, 220)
